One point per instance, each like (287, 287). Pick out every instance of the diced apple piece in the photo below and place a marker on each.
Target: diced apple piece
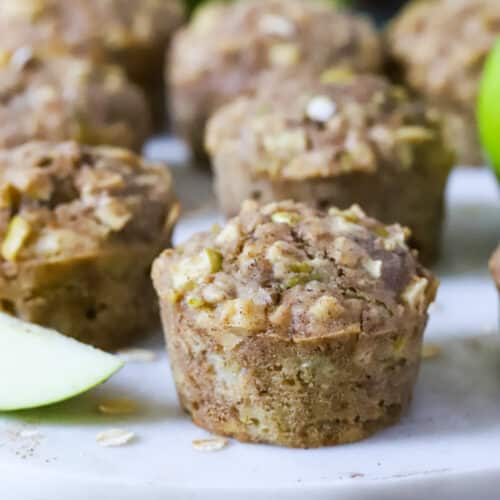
(285, 218)
(194, 269)
(243, 317)
(17, 233)
(214, 259)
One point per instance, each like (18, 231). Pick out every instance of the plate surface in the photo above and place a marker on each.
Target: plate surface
(446, 447)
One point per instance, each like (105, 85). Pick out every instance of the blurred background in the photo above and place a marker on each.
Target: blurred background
(381, 10)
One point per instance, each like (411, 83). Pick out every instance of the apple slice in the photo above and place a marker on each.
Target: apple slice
(488, 108)
(39, 366)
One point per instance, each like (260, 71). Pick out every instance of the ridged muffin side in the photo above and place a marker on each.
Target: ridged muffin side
(294, 326)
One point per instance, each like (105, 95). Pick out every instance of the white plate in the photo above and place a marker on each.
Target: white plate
(446, 448)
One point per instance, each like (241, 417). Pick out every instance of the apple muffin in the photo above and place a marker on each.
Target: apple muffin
(334, 139)
(295, 326)
(79, 229)
(67, 98)
(439, 48)
(131, 33)
(495, 267)
(226, 47)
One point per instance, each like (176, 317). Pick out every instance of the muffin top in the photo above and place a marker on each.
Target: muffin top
(441, 46)
(87, 25)
(289, 271)
(48, 98)
(328, 124)
(63, 201)
(250, 36)
(495, 267)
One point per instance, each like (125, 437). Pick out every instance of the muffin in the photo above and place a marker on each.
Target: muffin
(334, 140)
(223, 51)
(495, 267)
(439, 48)
(131, 33)
(58, 99)
(79, 229)
(294, 326)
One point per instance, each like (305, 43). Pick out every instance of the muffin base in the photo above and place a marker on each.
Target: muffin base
(324, 434)
(138, 64)
(460, 132)
(280, 391)
(105, 300)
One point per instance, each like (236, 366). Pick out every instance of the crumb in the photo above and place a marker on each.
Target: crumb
(356, 475)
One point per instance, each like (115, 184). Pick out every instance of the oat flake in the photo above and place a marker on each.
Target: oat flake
(120, 406)
(208, 445)
(137, 355)
(114, 437)
(29, 433)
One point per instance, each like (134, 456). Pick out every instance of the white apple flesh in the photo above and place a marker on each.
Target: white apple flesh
(39, 366)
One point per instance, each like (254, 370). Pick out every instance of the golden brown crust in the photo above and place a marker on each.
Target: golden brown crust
(79, 228)
(221, 54)
(293, 326)
(64, 98)
(334, 139)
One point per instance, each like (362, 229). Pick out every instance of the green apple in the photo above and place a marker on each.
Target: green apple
(489, 108)
(39, 366)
